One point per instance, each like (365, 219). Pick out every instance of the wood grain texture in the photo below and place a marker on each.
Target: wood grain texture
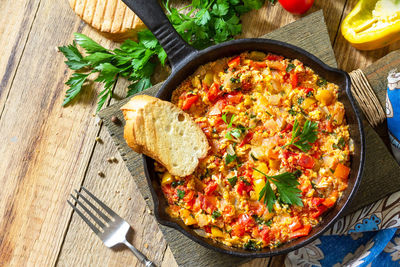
(46, 147)
(15, 24)
(297, 33)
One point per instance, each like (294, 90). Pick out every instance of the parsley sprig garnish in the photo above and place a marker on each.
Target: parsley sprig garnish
(201, 24)
(302, 139)
(286, 184)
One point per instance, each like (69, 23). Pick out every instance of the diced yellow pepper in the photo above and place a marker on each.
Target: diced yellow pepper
(187, 217)
(325, 97)
(216, 232)
(274, 163)
(209, 78)
(196, 82)
(262, 167)
(258, 186)
(167, 178)
(256, 55)
(308, 102)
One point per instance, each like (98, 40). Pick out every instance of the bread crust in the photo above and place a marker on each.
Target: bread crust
(165, 133)
(112, 18)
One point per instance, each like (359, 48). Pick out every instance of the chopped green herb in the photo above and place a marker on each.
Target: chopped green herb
(340, 144)
(253, 157)
(300, 100)
(329, 116)
(251, 245)
(216, 214)
(230, 158)
(332, 171)
(180, 193)
(245, 181)
(232, 180)
(290, 67)
(292, 112)
(309, 94)
(261, 221)
(235, 80)
(175, 184)
(268, 113)
(321, 82)
(286, 184)
(302, 139)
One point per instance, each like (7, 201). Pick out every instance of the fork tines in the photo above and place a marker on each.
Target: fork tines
(95, 218)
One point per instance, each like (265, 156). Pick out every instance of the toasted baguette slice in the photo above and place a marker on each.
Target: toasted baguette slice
(162, 131)
(111, 17)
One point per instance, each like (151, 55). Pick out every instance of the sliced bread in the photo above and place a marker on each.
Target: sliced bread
(164, 132)
(111, 17)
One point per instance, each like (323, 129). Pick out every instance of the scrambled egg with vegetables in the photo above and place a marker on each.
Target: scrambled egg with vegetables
(280, 151)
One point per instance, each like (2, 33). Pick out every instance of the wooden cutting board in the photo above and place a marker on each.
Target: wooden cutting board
(309, 33)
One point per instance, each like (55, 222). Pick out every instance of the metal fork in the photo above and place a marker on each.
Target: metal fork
(113, 230)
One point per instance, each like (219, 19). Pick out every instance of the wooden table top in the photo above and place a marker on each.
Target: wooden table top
(47, 150)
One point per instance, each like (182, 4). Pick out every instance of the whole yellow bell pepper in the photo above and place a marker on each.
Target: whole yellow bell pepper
(372, 24)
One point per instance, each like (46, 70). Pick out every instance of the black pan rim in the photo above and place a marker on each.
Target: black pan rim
(308, 240)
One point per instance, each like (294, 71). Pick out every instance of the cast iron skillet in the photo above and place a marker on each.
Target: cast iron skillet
(185, 60)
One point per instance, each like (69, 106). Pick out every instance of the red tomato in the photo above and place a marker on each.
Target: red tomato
(306, 162)
(246, 85)
(211, 187)
(266, 234)
(296, 6)
(246, 221)
(238, 230)
(288, 128)
(213, 92)
(242, 187)
(189, 101)
(294, 81)
(259, 64)
(217, 108)
(234, 98)
(301, 232)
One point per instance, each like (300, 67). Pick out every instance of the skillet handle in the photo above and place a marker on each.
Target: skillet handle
(150, 12)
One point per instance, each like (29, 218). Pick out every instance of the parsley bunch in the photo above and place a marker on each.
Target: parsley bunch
(131, 60)
(205, 22)
(302, 139)
(286, 184)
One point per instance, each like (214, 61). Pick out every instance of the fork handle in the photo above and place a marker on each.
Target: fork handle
(142, 258)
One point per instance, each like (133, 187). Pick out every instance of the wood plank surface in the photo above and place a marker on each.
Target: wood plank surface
(48, 150)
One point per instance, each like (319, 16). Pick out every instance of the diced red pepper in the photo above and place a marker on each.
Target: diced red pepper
(217, 108)
(238, 230)
(296, 224)
(246, 139)
(213, 92)
(301, 232)
(306, 162)
(266, 234)
(247, 221)
(234, 98)
(286, 154)
(207, 229)
(342, 172)
(259, 64)
(307, 89)
(211, 187)
(242, 187)
(189, 101)
(234, 62)
(288, 128)
(189, 198)
(294, 81)
(274, 57)
(321, 209)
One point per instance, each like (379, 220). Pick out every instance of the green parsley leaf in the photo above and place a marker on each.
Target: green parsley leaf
(180, 193)
(302, 139)
(286, 185)
(232, 180)
(290, 67)
(139, 86)
(253, 157)
(75, 83)
(75, 59)
(216, 214)
(88, 44)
